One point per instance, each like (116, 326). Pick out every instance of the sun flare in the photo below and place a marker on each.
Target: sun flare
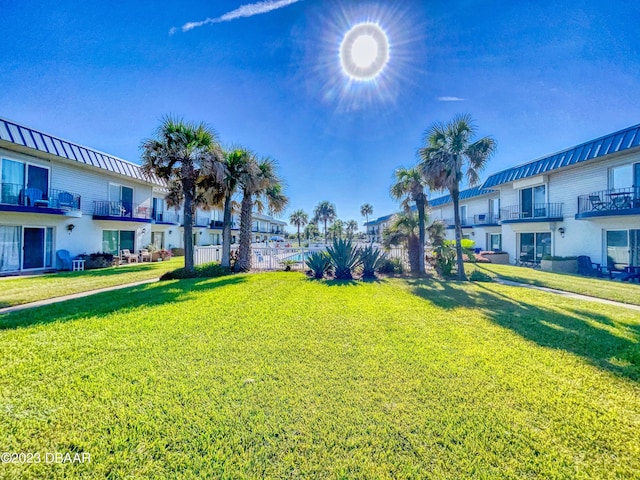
(364, 51)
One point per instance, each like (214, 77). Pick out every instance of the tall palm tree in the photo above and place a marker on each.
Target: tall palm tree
(448, 155)
(365, 211)
(409, 187)
(325, 212)
(404, 231)
(352, 228)
(260, 186)
(299, 218)
(184, 154)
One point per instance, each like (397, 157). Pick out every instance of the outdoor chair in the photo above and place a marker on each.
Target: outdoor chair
(127, 256)
(35, 198)
(145, 255)
(588, 268)
(65, 200)
(596, 203)
(63, 260)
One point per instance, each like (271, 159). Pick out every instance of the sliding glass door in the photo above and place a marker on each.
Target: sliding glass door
(10, 248)
(533, 246)
(622, 248)
(37, 251)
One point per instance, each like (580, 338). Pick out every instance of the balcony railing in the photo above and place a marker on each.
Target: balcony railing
(124, 210)
(537, 212)
(486, 219)
(19, 195)
(464, 221)
(166, 217)
(610, 202)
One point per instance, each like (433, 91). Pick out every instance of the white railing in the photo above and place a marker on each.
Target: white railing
(277, 258)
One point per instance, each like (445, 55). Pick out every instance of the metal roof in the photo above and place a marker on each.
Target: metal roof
(464, 195)
(43, 142)
(612, 143)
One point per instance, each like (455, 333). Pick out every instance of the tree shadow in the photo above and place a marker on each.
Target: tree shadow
(607, 341)
(106, 303)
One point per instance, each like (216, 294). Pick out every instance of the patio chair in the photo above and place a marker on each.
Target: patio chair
(63, 260)
(145, 255)
(588, 268)
(127, 256)
(65, 200)
(35, 198)
(596, 203)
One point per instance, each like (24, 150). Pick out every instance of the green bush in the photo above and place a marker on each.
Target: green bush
(556, 258)
(318, 263)
(371, 259)
(344, 258)
(206, 270)
(478, 276)
(467, 244)
(390, 266)
(445, 258)
(97, 260)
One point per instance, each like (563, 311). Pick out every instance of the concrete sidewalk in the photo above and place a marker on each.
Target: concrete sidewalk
(50, 301)
(577, 296)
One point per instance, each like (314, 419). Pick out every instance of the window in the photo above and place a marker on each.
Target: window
(10, 248)
(533, 202)
(533, 246)
(463, 214)
(157, 239)
(215, 239)
(494, 208)
(622, 248)
(115, 240)
(158, 209)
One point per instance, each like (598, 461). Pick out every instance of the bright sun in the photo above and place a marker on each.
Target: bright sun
(364, 51)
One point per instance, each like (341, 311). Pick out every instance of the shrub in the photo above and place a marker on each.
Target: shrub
(97, 260)
(344, 258)
(390, 266)
(371, 259)
(206, 270)
(467, 244)
(556, 258)
(445, 258)
(478, 276)
(287, 264)
(177, 252)
(319, 263)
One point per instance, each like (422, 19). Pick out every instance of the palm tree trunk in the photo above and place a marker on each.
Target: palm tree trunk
(299, 243)
(421, 222)
(226, 233)
(244, 250)
(188, 229)
(325, 231)
(414, 249)
(455, 196)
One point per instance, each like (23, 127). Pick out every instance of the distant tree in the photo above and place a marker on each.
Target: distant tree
(299, 218)
(448, 155)
(325, 212)
(184, 154)
(409, 187)
(337, 229)
(311, 231)
(365, 211)
(351, 228)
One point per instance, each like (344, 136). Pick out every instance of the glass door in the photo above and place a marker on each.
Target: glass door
(617, 249)
(12, 182)
(526, 203)
(33, 250)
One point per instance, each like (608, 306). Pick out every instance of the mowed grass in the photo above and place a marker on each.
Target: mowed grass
(625, 292)
(19, 290)
(278, 376)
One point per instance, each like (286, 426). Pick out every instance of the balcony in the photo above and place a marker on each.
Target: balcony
(538, 212)
(464, 221)
(121, 211)
(486, 220)
(17, 198)
(609, 203)
(165, 218)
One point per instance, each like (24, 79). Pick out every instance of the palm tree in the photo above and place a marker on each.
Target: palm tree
(311, 231)
(365, 211)
(404, 231)
(299, 218)
(260, 185)
(409, 187)
(325, 212)
(352, 228)
(184, 154)
(448, 155)
(336, 229)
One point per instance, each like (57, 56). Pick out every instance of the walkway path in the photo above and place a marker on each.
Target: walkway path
(50, 301)
(569, 294)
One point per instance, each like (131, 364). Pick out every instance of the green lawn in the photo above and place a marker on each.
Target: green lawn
(19, 290)
(278, 376)
(625, 292)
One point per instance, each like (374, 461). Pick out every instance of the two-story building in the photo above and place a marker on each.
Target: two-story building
(58, 195)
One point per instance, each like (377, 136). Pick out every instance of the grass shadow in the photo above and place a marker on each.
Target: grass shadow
(610, 342)
(106, 303)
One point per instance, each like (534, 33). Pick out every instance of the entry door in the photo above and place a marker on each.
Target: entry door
(33, 250)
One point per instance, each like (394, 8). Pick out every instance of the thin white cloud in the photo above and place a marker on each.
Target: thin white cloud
(450, 99)
(248, 10)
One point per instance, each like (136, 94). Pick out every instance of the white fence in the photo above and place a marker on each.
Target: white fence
(277, 258)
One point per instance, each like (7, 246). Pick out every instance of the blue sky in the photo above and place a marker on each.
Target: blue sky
(538, 78)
